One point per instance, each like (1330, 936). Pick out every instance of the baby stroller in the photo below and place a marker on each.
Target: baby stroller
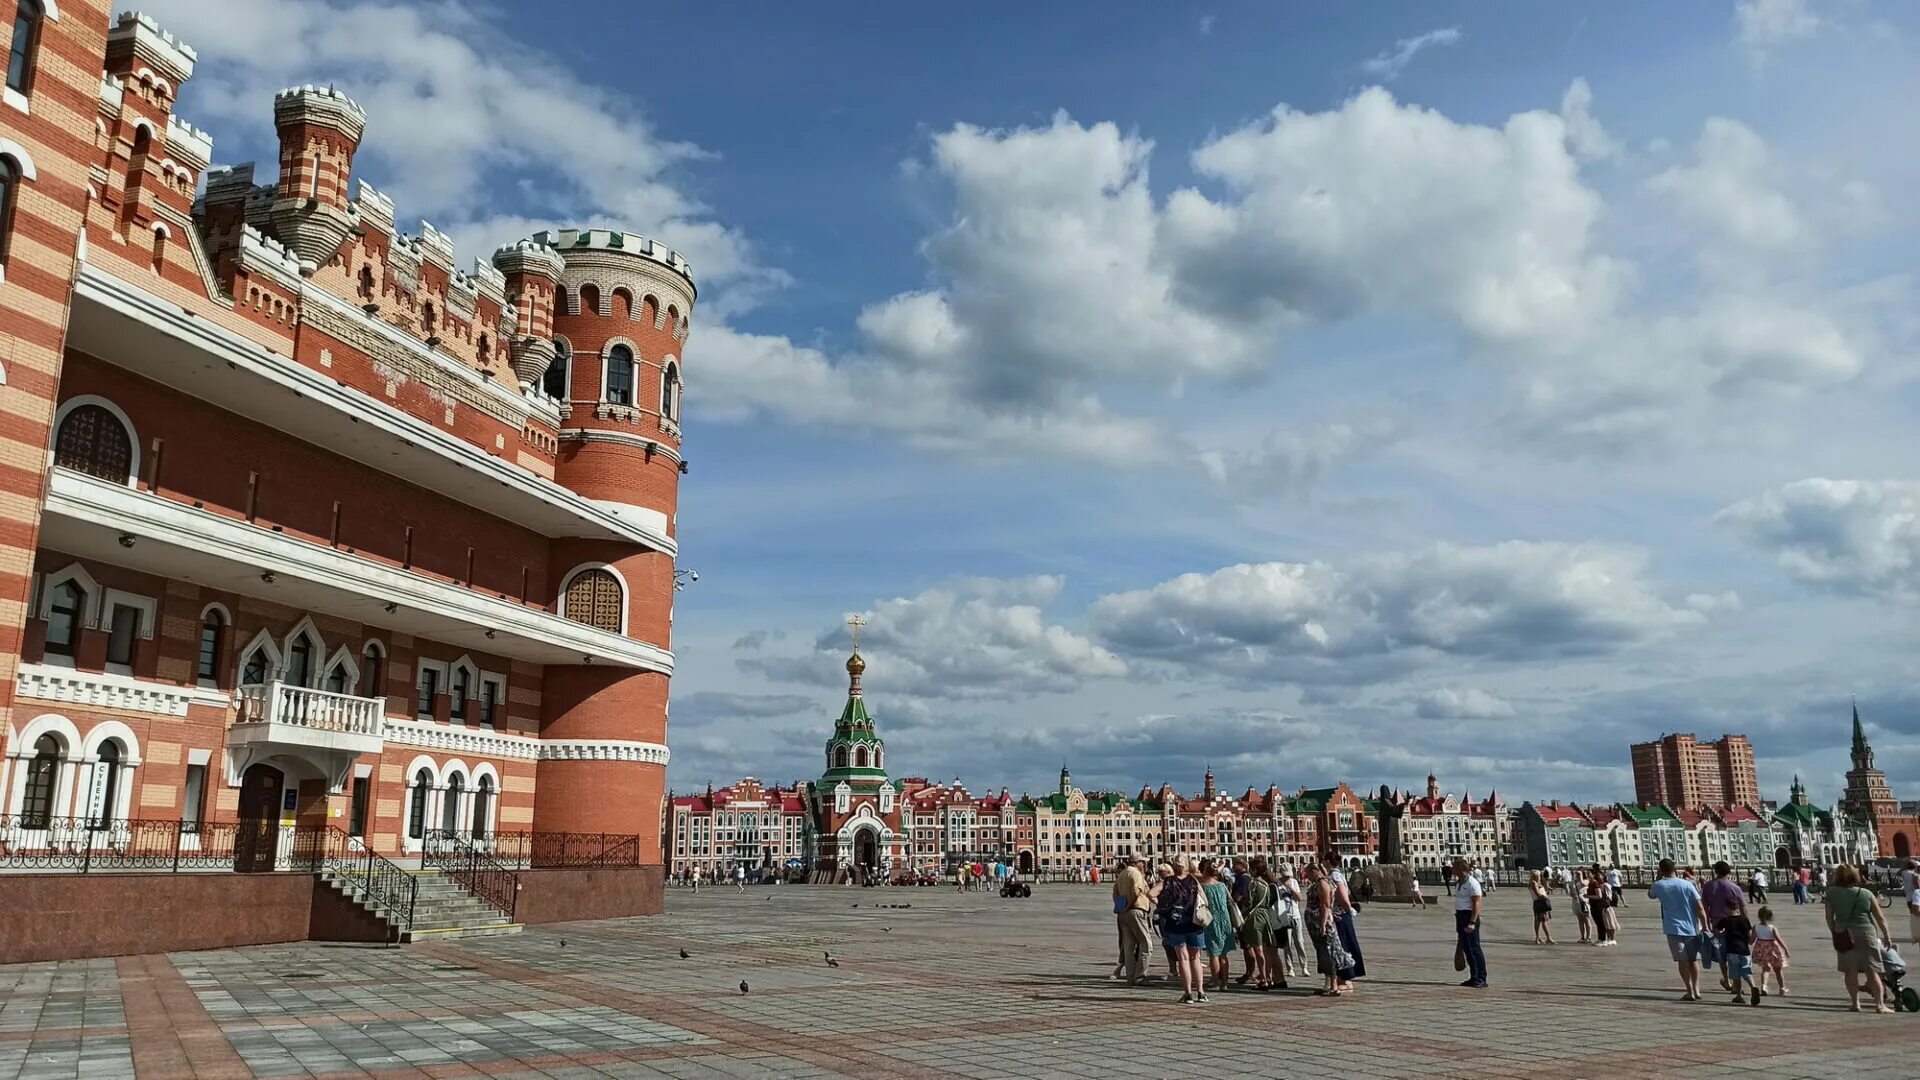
(1893, 969)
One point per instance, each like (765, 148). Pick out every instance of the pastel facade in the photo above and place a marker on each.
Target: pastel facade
(304, 522)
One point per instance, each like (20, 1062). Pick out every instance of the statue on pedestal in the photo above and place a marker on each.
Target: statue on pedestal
(1393, 807)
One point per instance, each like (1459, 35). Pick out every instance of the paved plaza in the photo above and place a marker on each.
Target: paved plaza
(953, 985)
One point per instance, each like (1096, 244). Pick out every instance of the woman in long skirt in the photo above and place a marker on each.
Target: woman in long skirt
(1343, 926)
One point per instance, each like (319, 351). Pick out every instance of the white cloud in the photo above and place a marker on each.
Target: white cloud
(1287, 462)
(1730, 188)
(1462, 703)
(978, 638)
(1381, 615)
(1853, 536)
(1762, 25)
(447, 115)
(1585, 133)
(1391, 62)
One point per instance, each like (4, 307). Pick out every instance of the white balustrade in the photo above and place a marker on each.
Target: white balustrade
(304, 707)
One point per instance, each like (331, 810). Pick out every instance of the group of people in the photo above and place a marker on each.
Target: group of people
(1201, 911)
(1594, 897)
(1710, 925)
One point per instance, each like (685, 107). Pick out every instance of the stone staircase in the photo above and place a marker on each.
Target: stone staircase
(443, 909)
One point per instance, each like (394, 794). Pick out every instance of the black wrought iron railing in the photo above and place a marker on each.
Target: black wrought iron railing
(90, 845)
(557, 850)
(347, 860)
(456, 856)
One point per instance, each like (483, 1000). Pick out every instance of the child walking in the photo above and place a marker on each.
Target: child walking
(1736, 941)
(1769, 954)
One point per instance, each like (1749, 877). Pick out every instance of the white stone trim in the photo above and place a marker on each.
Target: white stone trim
(98, 502)
(9, 148)
(624, 438)
(91, 594)
(98, 286)
(604, 750)
(475, 742)
(606, 358)
(121, 693)
(566, 582)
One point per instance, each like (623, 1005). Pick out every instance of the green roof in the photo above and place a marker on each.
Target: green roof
(1647, 815)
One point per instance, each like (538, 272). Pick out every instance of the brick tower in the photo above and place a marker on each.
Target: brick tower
(619, 320)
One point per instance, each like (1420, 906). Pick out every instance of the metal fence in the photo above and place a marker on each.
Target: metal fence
(554, 850)
(89, 845)
(477, 871)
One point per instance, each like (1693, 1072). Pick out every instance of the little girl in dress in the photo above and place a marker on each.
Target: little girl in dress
(1769, 953)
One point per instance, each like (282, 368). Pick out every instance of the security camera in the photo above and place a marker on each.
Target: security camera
(693, 575)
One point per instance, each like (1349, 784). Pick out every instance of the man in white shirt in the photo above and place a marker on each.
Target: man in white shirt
(1613, 886)
(1757, 885)
(1466, 923)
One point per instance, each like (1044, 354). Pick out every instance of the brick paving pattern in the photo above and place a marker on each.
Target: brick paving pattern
(953, 986)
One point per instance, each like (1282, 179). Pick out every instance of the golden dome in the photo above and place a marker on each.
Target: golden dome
(855, 665)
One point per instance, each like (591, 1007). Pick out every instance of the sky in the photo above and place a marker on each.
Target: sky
(1307, 391)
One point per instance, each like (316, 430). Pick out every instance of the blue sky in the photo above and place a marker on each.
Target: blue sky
(1308, 390)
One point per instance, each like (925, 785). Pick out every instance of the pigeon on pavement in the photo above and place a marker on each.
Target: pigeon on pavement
(684, 954)
(743, 986)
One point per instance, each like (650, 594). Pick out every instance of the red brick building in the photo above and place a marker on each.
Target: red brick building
(303, 522)
(1680, 770)
(1869, 799)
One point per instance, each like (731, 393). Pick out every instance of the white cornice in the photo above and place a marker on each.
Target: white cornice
(121, 693)
(623, 438)
(102, 288)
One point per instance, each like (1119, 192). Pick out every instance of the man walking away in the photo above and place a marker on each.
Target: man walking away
(1682, 917)
(1132, 912)
(1759, 885)
(739, 879)
(1721, 898)
(1467, 899)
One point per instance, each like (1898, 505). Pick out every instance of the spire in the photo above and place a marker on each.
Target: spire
(856, 666)
(1859, 733)
(1066, 779)
(1208, 793)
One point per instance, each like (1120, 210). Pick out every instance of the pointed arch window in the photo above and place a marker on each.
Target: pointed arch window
(860, 757)
(670, 391)
(36, 811)
(840, 758)
(417, 804)
(338, 679)
(482, 807)
(27, 17)
(94, 441)
(554, 382)
(256, 668)
(459, 689)
(594, 597)
(450, 805)
(620, 375)
(372, 670)
(64, 612)
(300, 661)
(9, 190)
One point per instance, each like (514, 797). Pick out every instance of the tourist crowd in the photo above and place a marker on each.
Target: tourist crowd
(1200, 912)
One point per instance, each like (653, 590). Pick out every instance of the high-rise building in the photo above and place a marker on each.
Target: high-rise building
(1680, 770)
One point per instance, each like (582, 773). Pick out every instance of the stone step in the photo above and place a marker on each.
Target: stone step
(444, 934)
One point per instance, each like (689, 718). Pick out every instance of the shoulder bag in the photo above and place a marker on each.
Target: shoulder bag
(1202, 913)
(1843, 939)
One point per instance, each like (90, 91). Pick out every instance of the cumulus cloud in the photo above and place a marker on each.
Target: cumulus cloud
(1381, 615)
(1585, 133)
(980, 638)
(709, 706)
(445, 117)
(1850, 536)
(1391, 62)
(1763, 25)
(1287, 462)
(1461, 703)
(1730, 189)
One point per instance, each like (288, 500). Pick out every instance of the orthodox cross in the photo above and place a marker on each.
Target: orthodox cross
(854, 623)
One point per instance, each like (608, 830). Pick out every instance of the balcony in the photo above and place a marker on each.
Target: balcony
(325, 729)
(93, 518)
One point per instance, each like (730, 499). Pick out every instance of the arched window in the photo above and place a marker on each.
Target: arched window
(36, 812)
(26, 41)
(840, 758)
(94, 441)
(299, 668)
(860, 757)
(256, 669)
(65, 608)
(9, 189)
(366, 284)
(594, 597)
(554, 382)
(104, 786)
(482, 806)
(670, 391)
(417, 804)
(213, 634)
(142, 140)
(590, 299)
(426, 319)
(450, 805)
(337, 679)
(482, 352)
(619, 375)
(622, 304)
(372, 671)
(650, 311)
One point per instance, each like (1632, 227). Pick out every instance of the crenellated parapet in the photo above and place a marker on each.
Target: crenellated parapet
(137, 47)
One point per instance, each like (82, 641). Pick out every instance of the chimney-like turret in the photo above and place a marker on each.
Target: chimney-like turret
(319, 129)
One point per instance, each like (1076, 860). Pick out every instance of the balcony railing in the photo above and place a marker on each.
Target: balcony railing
(300, 706)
